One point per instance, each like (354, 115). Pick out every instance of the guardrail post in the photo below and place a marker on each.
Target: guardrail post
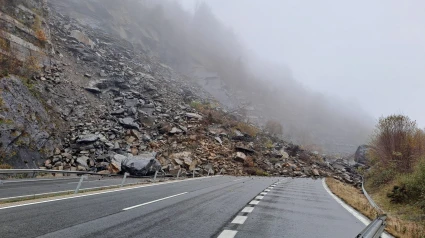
(123, 179)
(193, 173)
(79, 183)
(154, 177)
(178, 173)
(209, 172)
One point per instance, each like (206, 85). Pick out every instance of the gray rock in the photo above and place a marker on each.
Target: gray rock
(240, 156)
(81, 37)
(87, 138)
(193, 115)
(361, 154)
(175, 130)
(83, 161)
(118, 112)
(129, 123)
(141, 165)
(218, 140)
(93, 90)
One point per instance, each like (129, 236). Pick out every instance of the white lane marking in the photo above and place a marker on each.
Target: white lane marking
(92, 194)
(253, 202)
(248, 209)
(239, 220)
(238, 179)
(227, 234)
(267, 190)
(157, 200)
(273, 185)
(263, 193)
(259, 197)
(351, 210)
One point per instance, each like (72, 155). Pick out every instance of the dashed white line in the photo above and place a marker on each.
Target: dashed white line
(227, 234)
(239, 220)
(157, 200)
(253, 202)
(263, 193)
(248, 209)
(267, 190)
(259, 197)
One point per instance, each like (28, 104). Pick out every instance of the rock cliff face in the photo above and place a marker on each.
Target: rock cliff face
(26, 128)
(98, 101)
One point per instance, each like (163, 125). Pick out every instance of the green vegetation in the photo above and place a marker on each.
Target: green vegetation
(268, 144)
(395, 226)
(6, 122)
(396, 178)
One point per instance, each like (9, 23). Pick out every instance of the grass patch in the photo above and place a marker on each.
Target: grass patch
(247, 129)
(5, 166)
(396, 226)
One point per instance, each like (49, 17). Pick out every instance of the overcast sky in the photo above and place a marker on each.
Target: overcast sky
(369, 52)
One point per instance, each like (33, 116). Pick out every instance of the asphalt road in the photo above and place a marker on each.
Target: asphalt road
(14, 188)
(190, 208)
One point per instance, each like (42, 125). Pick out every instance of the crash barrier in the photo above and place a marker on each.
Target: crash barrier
(84, 174)
(372, 203)
(375, 228)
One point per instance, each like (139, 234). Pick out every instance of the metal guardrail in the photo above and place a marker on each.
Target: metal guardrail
(374, 229)
(49, 171)
(83, 173)
(370, 199)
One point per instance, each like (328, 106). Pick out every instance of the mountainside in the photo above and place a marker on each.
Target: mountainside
(81, 98)
(200, 47)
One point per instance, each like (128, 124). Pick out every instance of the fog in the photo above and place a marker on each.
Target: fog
(368, 52)
(325, 70)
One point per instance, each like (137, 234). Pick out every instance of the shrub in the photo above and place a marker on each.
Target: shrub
(41, 35)
(397, 140)
(378, 176)
(415, 183)
(398, 194)
(268, 144)
(274, 128)
(5, 166)
(247, 129)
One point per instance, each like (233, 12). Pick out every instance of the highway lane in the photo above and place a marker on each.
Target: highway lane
(195, 208)
(207, 201)
(299, 208)
(13, 188)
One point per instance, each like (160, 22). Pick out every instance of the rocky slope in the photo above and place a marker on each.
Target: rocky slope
(101, 100)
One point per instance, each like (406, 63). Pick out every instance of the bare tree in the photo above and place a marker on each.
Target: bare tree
(398, 142)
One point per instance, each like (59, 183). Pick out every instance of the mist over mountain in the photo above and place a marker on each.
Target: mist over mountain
(201, 47)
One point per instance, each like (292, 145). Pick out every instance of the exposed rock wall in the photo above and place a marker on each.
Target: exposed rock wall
(24, 30)
(25, 125)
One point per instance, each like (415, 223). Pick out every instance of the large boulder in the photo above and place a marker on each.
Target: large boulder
(141, 165)
(361, 155)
